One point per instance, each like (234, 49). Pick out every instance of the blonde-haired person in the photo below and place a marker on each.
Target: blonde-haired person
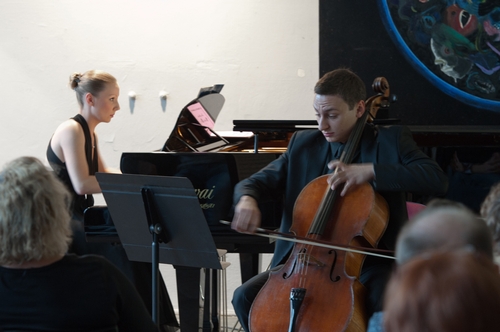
(73, 154)
(490, 212)
(42, 287)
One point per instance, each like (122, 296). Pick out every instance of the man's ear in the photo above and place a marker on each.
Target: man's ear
(360, 109)
(89, 99)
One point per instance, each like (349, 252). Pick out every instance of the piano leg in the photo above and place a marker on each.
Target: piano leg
(188, 294)
(215, 300)
(210, 319)
(249, 265)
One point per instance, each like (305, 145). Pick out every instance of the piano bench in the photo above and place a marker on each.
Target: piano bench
(98, 225)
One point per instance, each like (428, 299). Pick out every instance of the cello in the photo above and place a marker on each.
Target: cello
(317, 289)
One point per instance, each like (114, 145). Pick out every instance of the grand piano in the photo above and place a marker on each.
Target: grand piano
(214, 165)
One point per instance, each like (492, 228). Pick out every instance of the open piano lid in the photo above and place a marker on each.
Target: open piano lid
(193, 131)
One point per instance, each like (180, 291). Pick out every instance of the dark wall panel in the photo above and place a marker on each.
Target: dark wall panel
(352, 35)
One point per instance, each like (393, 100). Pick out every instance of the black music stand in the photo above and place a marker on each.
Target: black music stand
(159, 220)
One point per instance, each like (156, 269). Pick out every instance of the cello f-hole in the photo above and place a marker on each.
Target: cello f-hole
(287, 274)
(332, 268)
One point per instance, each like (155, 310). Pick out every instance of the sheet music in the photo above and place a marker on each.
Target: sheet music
(201, 115)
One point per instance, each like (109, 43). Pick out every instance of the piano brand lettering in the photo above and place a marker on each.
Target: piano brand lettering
(207, 206)
(205, 194)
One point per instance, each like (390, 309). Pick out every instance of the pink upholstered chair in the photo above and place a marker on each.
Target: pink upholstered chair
(414, 208)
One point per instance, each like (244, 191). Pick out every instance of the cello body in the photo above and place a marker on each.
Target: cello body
(334, 297)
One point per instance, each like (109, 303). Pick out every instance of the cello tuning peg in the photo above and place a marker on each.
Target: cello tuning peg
(387, 102)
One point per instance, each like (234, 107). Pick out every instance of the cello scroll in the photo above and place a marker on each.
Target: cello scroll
(382, 98)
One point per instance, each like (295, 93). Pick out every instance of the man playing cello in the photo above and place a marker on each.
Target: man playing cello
(387, 158)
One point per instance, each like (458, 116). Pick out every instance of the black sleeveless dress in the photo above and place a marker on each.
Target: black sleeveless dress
(138, 272)
(79, 202)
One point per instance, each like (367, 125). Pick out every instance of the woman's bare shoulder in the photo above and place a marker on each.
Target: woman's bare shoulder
(68, 129)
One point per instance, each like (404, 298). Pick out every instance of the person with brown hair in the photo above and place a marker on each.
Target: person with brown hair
(42, 288)
(73, 154)
(387, 158)
(449, 291)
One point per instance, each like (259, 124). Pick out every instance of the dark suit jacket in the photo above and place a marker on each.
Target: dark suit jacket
(400, 167)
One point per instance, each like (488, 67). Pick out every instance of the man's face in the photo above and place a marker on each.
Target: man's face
(335, 119)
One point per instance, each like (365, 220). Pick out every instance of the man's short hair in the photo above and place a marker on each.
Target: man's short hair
(343, 83)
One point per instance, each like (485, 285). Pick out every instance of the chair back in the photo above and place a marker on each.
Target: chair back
(414, 208)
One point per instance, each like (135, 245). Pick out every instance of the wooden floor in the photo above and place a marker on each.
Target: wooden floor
(232, 325)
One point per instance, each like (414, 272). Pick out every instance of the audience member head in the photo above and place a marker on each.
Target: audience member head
(443, 227)
(92, 81)
(490, 211)
(34, 213)
(441, 202)
(453, 291)
(343, 83)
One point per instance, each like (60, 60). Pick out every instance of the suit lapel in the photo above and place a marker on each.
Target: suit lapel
(369, 145)
(318, 154)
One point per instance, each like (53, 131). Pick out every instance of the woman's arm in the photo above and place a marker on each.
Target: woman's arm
(68, 144)
(101, 166)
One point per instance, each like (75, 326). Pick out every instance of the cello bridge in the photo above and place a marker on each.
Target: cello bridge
(306, 259)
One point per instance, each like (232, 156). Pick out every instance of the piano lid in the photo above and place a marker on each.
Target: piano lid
(193, 131)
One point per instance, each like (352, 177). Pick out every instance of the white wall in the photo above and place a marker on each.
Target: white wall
(265, 52)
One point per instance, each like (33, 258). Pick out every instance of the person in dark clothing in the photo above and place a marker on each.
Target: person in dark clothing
(41, 287)
(74, 156)
(472, 172)
(387, 158)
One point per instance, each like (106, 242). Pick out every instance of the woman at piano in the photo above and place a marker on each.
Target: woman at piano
(74, 156)
(72, 152)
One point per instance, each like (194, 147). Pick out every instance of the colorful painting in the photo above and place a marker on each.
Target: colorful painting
(455, 44)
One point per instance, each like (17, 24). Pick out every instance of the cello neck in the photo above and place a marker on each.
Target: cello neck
(354, 139)
(372, 104)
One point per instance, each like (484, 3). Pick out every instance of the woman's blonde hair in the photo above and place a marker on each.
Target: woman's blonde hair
(92, 81)
(34, 213)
